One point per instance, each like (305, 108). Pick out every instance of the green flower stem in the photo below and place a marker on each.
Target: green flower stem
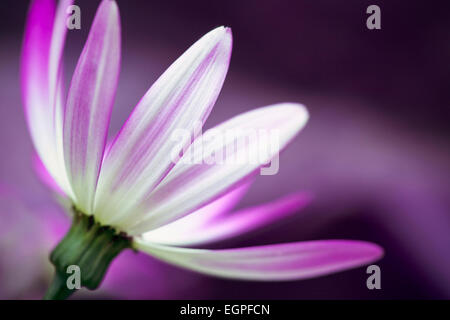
(58, 289)
(89, 246)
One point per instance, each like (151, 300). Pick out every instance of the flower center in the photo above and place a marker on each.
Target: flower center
(88, 248)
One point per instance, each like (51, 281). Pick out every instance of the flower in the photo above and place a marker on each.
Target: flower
(36, 229)
(129, 193)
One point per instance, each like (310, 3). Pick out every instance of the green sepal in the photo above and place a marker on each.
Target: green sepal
(91, 247)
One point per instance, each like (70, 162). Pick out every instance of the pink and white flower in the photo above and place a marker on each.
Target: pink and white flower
(131, 183)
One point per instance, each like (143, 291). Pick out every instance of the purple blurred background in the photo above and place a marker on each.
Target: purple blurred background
(375, 153)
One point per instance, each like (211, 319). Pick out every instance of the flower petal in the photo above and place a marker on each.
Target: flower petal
(180, 231)
(181, 98)
(89, 104)
(280, 262)
(56, 53)
(192, 183)
(56, 89)
(34, 75)
(41, 80)
(45, 177)
(229, 225)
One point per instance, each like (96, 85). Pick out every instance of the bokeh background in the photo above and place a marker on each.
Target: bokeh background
(375, 153)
